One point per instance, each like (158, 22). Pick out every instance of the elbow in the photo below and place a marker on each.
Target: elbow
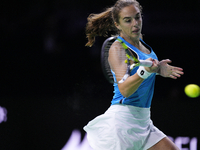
(128, 89)
(126, 93)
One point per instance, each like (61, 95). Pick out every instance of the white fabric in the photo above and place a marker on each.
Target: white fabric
(143, 73)
(123, 127)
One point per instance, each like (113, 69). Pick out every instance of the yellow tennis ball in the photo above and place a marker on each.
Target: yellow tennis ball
(192, 90)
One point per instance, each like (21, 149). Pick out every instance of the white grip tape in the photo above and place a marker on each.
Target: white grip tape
(143, 73)
(146, 63)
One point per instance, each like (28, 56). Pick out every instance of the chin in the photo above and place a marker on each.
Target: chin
(135, 36)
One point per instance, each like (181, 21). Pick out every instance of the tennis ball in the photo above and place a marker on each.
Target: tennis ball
(192, 90)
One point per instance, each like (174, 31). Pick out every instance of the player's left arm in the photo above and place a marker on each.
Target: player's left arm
(166, 70)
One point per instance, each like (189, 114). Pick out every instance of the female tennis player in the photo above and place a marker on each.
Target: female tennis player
(127, 125)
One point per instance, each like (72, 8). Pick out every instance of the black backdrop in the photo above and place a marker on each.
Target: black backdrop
(52, 84)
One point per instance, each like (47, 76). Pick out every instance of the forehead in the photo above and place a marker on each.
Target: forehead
(130, 10)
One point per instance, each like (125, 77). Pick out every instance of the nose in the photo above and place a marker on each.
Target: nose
(134, 23)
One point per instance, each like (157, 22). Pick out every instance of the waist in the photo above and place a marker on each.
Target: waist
(130, 111)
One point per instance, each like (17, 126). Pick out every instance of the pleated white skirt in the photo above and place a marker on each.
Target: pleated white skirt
(123, 127)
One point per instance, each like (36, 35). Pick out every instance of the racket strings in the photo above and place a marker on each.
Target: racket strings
(122, 71)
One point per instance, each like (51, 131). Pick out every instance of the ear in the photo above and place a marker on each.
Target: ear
(118, 26)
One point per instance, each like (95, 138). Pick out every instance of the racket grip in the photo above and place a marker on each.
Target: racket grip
(146, 63)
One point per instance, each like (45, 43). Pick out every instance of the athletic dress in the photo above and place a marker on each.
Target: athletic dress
(126, 125)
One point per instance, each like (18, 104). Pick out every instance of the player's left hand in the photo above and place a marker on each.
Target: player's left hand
(167, 70)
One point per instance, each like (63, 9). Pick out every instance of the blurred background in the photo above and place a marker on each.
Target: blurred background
(51, 84)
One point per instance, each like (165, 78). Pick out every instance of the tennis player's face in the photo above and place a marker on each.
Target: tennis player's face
(130, 22)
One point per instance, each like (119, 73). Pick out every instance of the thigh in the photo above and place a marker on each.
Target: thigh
(164, 144)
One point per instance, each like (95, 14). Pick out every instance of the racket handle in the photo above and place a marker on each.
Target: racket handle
(146, 63)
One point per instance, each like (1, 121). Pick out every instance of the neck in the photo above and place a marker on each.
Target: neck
(133, 41)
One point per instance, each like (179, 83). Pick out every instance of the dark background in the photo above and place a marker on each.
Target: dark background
(52, 84)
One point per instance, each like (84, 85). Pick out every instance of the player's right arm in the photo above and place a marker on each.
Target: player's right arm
(116, 60)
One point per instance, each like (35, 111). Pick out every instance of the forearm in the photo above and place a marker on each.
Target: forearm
(130, 85)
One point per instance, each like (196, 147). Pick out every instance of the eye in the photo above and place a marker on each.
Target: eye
(137, 17)
(127, 20)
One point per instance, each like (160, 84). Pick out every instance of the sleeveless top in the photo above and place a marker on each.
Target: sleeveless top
(142, 97)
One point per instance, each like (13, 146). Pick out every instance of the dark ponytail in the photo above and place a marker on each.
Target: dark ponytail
(99, 25)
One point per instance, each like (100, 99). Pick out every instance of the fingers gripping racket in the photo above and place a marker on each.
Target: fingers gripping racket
(128, 57)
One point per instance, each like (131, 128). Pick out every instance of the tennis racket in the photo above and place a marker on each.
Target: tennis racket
(128, 57)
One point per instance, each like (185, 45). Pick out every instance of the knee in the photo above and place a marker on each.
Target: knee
(173, 147)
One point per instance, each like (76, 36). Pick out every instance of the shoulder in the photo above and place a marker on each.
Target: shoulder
(116, 57)
(117, 54)
(116, 49)
(116, 44)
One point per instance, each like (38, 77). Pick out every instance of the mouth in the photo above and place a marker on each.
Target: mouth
(136, 31)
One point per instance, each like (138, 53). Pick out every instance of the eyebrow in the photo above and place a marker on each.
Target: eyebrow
(126, 18)
(131, 17)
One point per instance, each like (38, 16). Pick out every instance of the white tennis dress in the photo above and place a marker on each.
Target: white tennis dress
(123, 127)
